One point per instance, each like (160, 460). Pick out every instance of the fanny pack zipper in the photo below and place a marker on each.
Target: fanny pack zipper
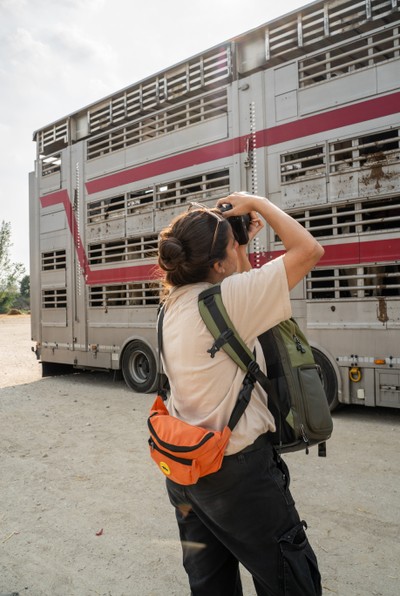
(176, 448)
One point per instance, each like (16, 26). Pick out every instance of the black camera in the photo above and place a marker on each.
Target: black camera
(240, 224)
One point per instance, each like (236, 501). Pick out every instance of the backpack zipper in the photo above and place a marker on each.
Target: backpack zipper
(297, 341)
(305, 438)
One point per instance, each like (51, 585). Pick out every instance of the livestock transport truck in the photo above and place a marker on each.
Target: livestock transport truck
(303, 109)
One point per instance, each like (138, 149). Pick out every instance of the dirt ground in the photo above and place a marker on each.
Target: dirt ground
(83, 509)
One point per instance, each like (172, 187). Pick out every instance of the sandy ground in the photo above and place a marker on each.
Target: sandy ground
(83, 510)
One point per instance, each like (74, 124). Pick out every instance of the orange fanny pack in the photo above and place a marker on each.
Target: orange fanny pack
(184, 452)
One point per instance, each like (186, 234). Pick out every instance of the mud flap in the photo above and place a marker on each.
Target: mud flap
(300, 574)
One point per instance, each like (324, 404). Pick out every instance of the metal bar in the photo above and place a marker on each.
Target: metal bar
(299, 30)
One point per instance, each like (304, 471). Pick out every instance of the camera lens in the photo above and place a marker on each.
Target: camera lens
(240, 224)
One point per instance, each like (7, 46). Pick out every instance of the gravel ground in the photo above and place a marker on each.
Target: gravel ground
(83, 510)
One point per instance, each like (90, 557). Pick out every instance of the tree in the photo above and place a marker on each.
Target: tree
(25, 287)
(10, 273)
(22, 301)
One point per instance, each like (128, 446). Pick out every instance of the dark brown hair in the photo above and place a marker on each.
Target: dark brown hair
(184, 247)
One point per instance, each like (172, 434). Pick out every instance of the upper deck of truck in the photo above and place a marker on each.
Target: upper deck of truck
(307, 33)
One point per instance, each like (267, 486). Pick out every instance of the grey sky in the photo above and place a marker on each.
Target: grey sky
(56, 57)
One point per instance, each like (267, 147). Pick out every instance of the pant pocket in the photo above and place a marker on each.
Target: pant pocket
(280, 474)
(300, 574)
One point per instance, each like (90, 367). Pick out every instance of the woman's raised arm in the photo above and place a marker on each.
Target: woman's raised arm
(302, 250)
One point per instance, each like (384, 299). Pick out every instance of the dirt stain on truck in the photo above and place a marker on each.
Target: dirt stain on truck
(382, 310)
(376, 161)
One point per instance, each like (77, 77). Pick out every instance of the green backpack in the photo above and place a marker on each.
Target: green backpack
(297, 397)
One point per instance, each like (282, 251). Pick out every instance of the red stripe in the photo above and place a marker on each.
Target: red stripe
(341, 254)
(62, 196)
(335, 255)
(373, 251)
(97, 276)
(360, 112)
(168, 164)
(363, 111)
(380, 250)
(352, 253)
(123, 274)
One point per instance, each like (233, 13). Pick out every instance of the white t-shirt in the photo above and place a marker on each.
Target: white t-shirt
(204, 390)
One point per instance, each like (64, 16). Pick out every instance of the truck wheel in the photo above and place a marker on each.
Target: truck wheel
(329, 379)
(139, 367)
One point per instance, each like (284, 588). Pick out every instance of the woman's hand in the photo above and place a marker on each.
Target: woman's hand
(256, 224)
(242, 203)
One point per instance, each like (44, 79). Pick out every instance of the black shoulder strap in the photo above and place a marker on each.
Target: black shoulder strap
(162, 380)
(226, 337)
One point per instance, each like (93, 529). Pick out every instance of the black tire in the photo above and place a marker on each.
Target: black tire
(329, 379)
(139, 367)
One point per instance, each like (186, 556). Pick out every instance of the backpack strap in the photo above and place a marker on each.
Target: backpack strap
(244, 394)
(217, 320)
(162, 381)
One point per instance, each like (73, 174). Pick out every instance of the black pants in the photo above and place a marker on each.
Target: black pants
(244, 513)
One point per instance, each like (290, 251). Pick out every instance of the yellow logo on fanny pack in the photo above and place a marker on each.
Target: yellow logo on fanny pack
(165, 468)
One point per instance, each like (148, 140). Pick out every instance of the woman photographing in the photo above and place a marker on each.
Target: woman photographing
(241, 513)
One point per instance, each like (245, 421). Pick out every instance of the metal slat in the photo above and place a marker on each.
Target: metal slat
(133, 294)
(366, 49)
(160, 123)
(377, 277)
(360, 214)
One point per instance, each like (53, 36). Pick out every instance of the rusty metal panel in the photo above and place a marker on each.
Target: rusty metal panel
(378, 178)
(143, 222)
(114, 228)
(304, 192)
(343, 186)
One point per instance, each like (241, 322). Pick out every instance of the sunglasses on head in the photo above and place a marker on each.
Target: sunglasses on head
(219, 218)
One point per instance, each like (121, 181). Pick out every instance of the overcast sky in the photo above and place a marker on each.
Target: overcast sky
(58, 56)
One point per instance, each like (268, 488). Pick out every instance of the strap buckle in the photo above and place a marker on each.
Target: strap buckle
(253, 369)
(220, 341)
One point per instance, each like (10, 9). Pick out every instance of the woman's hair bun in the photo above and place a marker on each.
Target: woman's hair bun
(171, 253)
(184, 247)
